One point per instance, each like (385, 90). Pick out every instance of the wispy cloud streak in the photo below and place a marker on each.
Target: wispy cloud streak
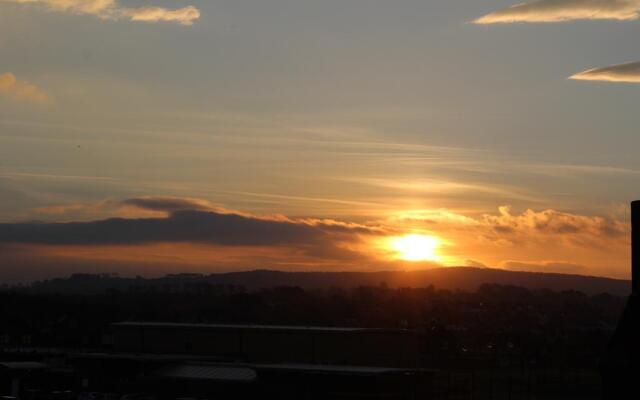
(564, 10)
(628, 73)
(111, 9)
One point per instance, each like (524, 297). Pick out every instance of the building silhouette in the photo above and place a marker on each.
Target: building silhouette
(619, 367)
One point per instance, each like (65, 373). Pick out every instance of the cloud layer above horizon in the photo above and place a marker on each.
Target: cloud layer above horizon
(18, 90)
(564, 10)
(193, 231)
(112, 9)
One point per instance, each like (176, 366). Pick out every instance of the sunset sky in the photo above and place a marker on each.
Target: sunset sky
(307, 135)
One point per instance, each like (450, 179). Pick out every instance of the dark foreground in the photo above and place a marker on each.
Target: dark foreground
(224, 341)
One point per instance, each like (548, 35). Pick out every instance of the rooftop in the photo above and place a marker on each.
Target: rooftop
(208, 372)
(337, 369)
(22, 365)
(249, 372)
(138, 357)
(171, 325)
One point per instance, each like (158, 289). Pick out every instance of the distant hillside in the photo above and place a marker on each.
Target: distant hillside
(462, 278)
(458, 278)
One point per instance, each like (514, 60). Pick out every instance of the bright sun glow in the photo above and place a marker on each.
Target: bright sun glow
(416, 247)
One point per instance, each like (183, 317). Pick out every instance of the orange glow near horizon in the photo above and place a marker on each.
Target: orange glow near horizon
(416, 247)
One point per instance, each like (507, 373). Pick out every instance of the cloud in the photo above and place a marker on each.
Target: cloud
(111, 9)
(169, 204)
(568, 10)
(136, 207)
(530, 227)
(629, 72)
(24, 91)
(153, 219)
(84, 210)
(564, 10)
(552, 225)
(569, 170)
(442, 187)
(179, 226)
(190, 221)
(184, 16)
(181, 233)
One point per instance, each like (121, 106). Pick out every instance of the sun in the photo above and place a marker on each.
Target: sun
(416, 247)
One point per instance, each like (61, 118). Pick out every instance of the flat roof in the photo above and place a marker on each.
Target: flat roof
(144, 357)
(249, 371)
(22, 365)
(173, 325)
(337, 369)
(229, 373)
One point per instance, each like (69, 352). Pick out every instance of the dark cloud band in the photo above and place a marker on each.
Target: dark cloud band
(180, 226)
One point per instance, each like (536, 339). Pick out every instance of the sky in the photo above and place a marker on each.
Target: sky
(149, 137)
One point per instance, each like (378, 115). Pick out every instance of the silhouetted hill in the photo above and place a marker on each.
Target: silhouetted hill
(462, 278)
(452, 278)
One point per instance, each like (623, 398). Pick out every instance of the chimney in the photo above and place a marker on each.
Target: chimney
(635, 247)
